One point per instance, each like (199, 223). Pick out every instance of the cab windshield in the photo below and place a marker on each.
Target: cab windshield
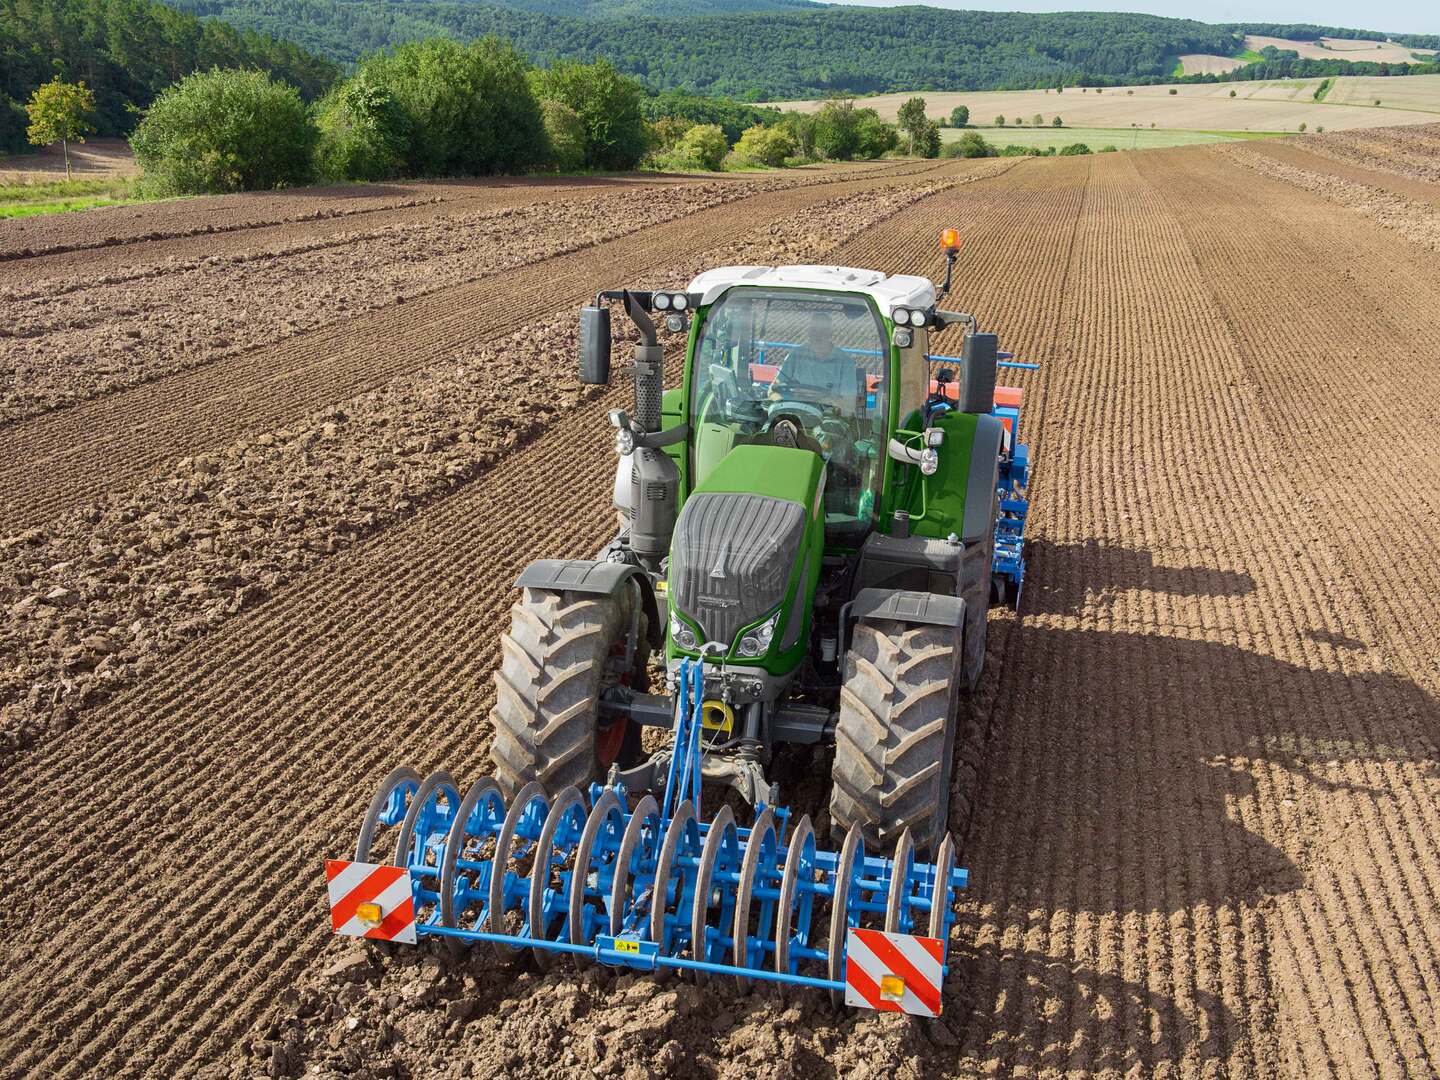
(799, 369)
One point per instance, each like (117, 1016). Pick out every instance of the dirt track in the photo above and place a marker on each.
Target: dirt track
(1205, 844)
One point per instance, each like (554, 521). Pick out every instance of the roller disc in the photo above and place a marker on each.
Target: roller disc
(635, 864)
(554, 852)
(940, 889)
(388, 807)
(720, 855)
(761, 851)
(604, 830)
(522, 823)
(797, 897)
(844, 910)
(467, 852)
(675, 884)
(432, 809)
(899, 912)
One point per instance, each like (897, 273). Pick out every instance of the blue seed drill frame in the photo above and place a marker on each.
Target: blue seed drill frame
(653, 887)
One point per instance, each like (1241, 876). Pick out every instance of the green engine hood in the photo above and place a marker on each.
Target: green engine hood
(748, 544)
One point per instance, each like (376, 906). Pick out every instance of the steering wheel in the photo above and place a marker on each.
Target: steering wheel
(809, 427)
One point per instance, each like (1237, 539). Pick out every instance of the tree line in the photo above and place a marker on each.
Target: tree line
(126, 52)
(777, 55)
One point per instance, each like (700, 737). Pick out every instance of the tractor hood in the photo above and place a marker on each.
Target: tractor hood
(743, 540)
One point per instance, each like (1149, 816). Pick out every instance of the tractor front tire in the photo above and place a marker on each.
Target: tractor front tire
(895, 738)
(558, 655)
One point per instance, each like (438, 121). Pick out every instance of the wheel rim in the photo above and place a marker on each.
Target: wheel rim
(675, 884)
(761, 850)
(388, 807)
(843, 912)
(635, 864)
(797, 897)
(604, 830)
(899, 911)
(721, 852)
(523, 823)
(558, 844)
(479, 819)
(940, 890)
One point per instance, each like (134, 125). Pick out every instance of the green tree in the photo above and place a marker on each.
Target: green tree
(999, 121)
(1075, 149)
(469, 109)
(970, 145)
(225, 130)
(1303, 126)
(960, 116)
(801, 129)
(607, 103)
(363, 132)
(666, 131)
(60, 112)
(565, 132)
(760, 145)
(927, 143)
(873, 136)
(912, 120)
(836, 134)
(702, 147)
(1039, 120)
(1057, 122)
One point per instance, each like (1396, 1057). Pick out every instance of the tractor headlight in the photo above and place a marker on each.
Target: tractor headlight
(901, 316)
(918, 318)
(756, 640)
(903, 338)
(681, 634)
(661, 301)
(674, 322)
(624, 441)
(929, 461)
(680, 302)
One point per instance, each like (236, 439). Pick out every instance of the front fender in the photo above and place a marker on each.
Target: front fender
(598, 578)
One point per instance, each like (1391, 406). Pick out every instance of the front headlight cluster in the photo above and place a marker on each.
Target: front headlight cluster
(662, 301)
(756, 640)
(682, 635)
(910, 316)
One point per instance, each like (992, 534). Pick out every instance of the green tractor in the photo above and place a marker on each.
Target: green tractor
(821, 511)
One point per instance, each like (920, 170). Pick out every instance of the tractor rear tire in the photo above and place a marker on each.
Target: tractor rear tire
(895, 739)
(555, 660)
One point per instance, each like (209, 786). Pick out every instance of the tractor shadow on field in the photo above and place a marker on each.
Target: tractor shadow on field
(1113, 571)
(1054, 1016)
(1171, 772)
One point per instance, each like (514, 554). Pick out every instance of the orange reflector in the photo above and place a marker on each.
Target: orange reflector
(950, 239)
(369, 914)
(892, 988)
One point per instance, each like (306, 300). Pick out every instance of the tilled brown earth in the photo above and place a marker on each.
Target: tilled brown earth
(57, 460)
(1393, 202)
(73, 338)
(96, 596)
(1203, 845)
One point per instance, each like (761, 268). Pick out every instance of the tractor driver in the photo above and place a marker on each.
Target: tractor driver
(819, 371)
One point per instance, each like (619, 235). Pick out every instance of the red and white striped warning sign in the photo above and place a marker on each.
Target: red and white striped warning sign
(893, 972)
(370, 901)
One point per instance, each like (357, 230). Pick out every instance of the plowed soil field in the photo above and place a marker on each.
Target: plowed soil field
(238, 587)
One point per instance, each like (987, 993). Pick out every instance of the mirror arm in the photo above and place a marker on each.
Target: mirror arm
(659, 439)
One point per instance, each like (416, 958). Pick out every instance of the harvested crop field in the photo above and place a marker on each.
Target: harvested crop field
(238, 586)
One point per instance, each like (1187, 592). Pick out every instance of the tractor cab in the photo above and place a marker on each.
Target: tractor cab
(798, 357)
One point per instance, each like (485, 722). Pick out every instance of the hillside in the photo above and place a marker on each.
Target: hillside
(127, 51)
(778, 54)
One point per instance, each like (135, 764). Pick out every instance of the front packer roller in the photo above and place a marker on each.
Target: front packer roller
(647, 884)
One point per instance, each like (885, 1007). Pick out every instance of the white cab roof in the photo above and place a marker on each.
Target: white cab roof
(896, 290)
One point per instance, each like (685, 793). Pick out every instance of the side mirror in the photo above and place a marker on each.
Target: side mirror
(595, 345)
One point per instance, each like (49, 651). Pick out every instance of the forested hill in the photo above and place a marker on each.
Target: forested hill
(773, 55)
(126, 51)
